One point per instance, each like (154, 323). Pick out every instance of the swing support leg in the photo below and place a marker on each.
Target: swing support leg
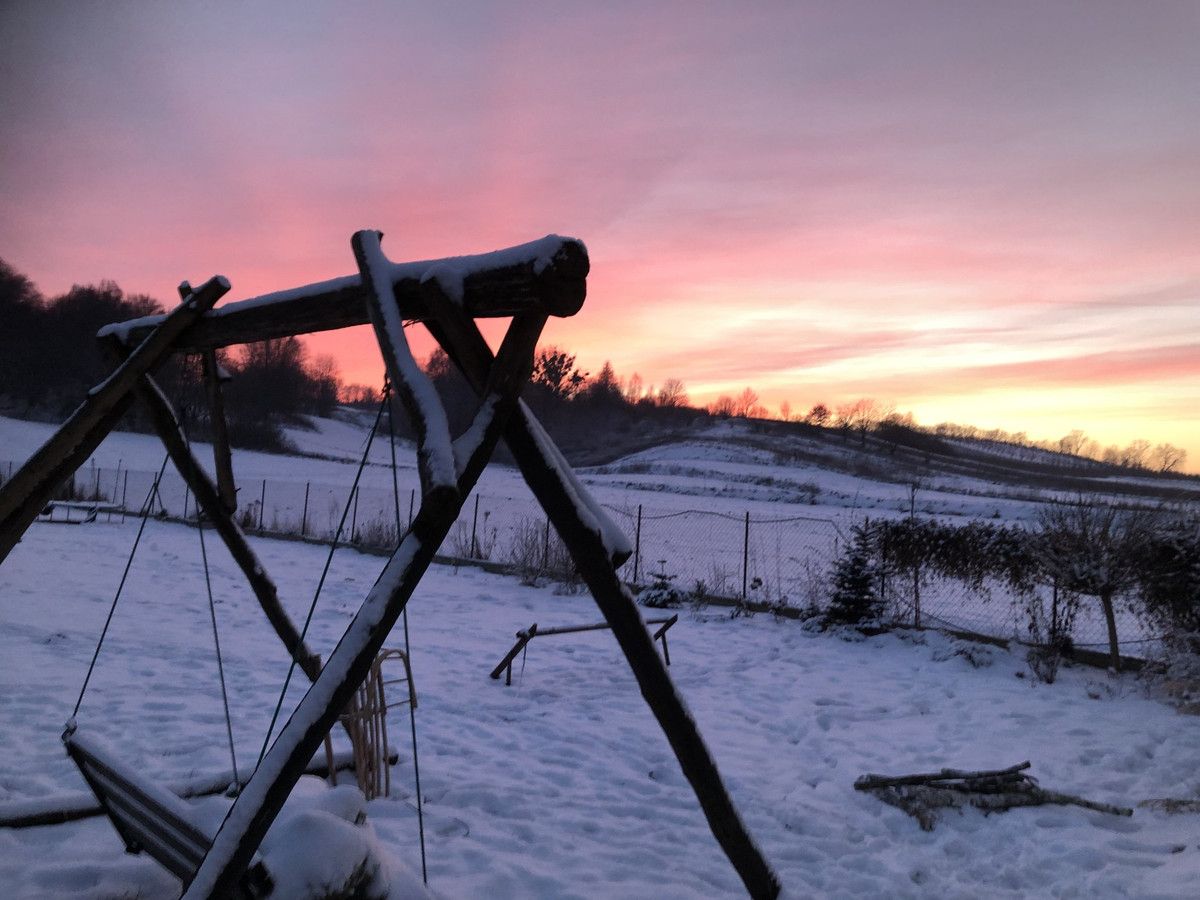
(463, 342)
(166, 424)
(260, 801)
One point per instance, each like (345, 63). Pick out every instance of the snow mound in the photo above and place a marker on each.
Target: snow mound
(322, 846)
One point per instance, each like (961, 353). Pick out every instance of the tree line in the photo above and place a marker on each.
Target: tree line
(49, 359)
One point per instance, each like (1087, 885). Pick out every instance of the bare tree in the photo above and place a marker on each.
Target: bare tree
(785, 411)
(634, 388)
(746, 403)
(1072, 443)
(673, 393)
(1093, 549)
(862, 415)
(1167, 458)
(819, 415)
(1134, 455)
(722, 406)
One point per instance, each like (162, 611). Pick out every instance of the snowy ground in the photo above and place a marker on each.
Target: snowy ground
(563, 785)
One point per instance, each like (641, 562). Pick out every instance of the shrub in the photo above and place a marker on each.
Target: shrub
(662, 594)
(854, 600)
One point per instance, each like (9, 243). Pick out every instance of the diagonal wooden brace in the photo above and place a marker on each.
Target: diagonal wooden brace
(435, 452)
(263, 796)
(165, 423)
(461, 339)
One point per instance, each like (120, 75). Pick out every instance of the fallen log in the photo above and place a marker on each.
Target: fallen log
(924, 795)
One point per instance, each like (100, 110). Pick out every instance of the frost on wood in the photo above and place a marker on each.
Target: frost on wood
(467, 444)
(590, 512)
(370, 620)
(414, 386)
(498, 283)
(451, 274)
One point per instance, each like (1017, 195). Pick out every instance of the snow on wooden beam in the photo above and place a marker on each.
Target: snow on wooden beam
(546, 276)
(435, 452)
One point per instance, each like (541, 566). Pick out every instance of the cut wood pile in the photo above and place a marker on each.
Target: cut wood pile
(923, 796)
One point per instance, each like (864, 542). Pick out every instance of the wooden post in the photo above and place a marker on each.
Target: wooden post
(222, 454)
(637, 545)
(26, 493)
(474, 526)
(746, 555)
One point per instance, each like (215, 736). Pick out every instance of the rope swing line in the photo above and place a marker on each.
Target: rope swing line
(412, 712)
(212, 614)
(333, 545)
(147, 505)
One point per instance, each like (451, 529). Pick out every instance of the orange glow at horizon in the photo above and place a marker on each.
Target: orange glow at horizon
(991, 218)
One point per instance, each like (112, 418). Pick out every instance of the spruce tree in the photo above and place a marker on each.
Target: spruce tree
(855, 600)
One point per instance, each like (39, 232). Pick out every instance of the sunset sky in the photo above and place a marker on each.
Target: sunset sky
(981, 212)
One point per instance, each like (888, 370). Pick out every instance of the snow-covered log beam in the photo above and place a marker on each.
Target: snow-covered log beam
(547, 276)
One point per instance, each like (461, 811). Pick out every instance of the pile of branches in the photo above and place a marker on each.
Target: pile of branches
(924, 796)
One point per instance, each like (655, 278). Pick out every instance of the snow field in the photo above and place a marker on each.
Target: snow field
(563, 785)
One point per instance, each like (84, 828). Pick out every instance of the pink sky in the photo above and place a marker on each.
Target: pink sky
(988, 213)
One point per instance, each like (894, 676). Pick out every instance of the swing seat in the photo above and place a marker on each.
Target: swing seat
(150, 818)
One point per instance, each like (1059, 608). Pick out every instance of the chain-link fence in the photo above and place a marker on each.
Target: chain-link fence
(749, 559)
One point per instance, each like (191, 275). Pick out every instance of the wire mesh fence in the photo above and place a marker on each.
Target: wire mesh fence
(748, 558)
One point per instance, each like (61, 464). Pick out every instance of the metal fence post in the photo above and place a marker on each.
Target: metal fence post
(474, 526)
(304, 515)
(187, 493)
(637, 545)
(262, 504)
(354, 518)
(746, 556)
(412, 495)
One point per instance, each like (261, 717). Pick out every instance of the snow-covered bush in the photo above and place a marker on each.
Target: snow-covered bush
(321, 847)
(1169, 591)
(662, 594)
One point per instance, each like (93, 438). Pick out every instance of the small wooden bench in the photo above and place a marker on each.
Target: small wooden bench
(150, 818)
(88, 510)
(528, 634)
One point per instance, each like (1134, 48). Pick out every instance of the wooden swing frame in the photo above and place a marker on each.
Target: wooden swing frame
(528, 283)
